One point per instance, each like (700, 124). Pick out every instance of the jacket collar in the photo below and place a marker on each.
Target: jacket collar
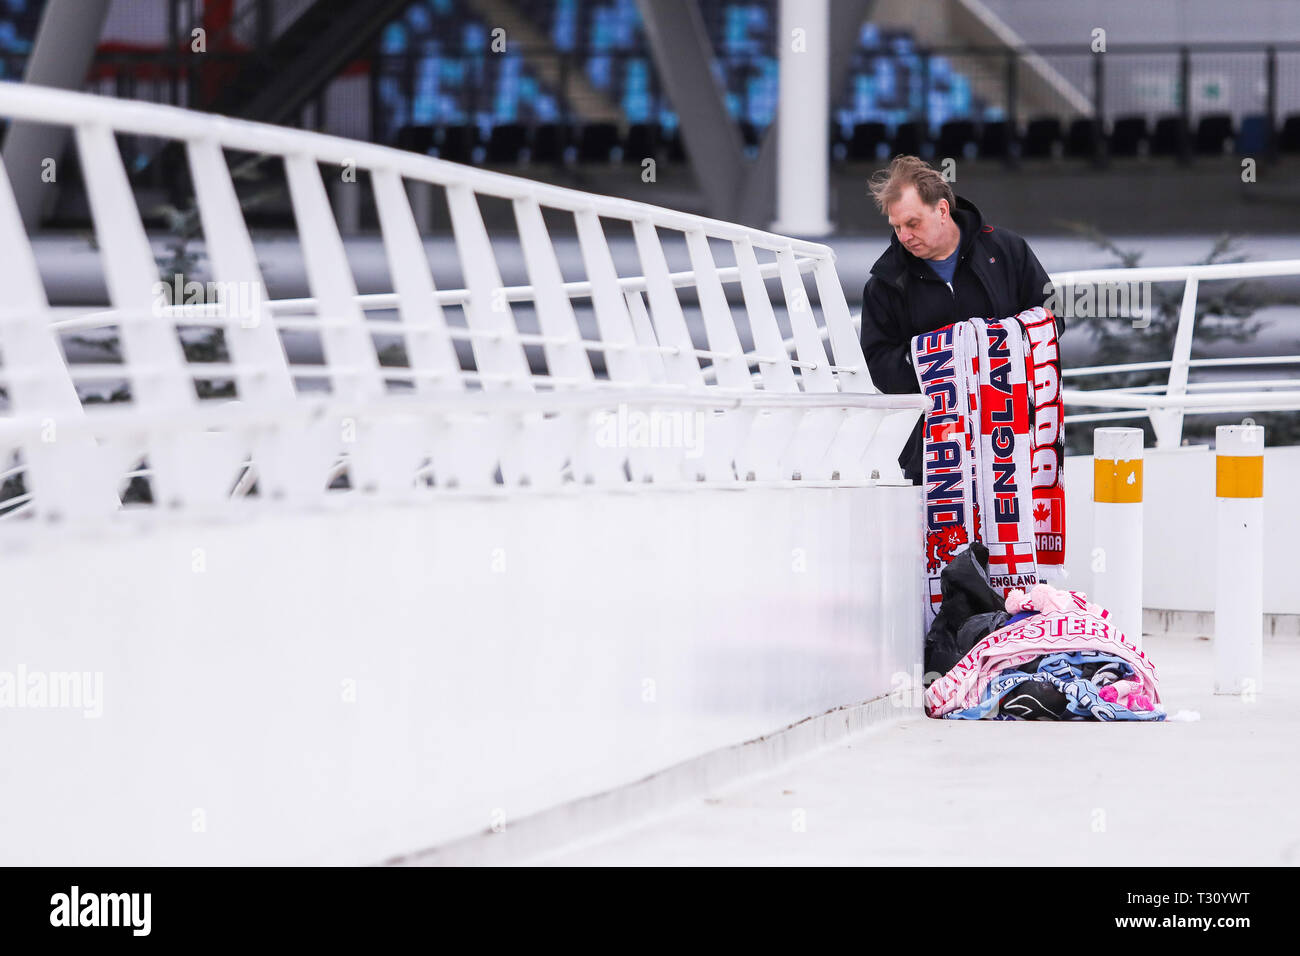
(896, 262)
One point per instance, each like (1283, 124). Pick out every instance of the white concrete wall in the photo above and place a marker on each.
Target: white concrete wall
(500, 649)
(1179, 528)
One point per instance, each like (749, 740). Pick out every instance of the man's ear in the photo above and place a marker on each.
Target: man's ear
(942, 206)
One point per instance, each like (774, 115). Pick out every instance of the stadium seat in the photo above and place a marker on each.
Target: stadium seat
(1213, 133)
(1170, 137)
(549, 142)
(506, 142)
(458, 143)
(676, 151)
(643, 139)
(1289, 140)
(1254, 136)
(996, 140)
(866, 139)
(1042, 136)
(596, 142)
(1086, 139)
(418, 139)
(1128, 135)
(908, 139)
(955, 136)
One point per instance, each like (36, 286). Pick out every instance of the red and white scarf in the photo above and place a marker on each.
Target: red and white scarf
(1049, 438)
(988, 476)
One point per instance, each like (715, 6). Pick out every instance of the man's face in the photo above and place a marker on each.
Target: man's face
(920, 228)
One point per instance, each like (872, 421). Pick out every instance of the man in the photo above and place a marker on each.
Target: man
(943, 265)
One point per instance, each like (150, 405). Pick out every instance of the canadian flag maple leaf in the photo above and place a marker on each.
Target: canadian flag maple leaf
(1041, 513)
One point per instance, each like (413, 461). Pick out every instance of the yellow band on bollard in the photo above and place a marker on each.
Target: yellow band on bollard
(1239, 476)
(1117, 482)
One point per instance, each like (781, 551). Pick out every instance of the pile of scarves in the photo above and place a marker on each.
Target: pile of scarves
(1059, 657)
(993, 448)
(1008, 646)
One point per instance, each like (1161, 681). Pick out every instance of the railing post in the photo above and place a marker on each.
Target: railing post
(1117, 526)
(1168, 422)
(1239, 589)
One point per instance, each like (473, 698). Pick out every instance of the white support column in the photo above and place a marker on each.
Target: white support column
(803, 119)
(1239, 589)
(1117, 526)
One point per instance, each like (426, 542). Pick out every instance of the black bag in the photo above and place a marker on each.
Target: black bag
(971, 609)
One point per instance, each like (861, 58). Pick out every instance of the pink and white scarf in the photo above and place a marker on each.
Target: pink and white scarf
(1078, 625)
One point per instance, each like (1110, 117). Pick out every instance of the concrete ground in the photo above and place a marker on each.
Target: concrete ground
(1217, 791)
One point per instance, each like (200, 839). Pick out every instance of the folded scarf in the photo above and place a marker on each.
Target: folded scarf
(944, 366)
(978, 450)
(1048, 454)
(1003, 489)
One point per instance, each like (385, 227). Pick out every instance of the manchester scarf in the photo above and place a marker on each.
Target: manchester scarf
(1082, 627)
(984, 464)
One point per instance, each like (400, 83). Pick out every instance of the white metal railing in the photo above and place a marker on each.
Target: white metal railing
(663, 408)
(1166, 405)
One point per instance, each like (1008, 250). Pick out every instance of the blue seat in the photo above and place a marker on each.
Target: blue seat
(1254, 135)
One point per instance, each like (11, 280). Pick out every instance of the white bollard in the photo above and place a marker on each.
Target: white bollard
(1239, 588)
(1117, 526)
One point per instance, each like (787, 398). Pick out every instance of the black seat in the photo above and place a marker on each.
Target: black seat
(1212, 134)
(996, 139)
(1289, 140)
(1127, 135)
(597, 141)
(458, 143)
(908, 138)
(1085, 140)
(865, 140)
(418, 139)
(1041, 136)
(506, 142)
(643, 140)
(749, 134)
(1170, 137)
(955, 136)
(676, 151)
(549, 141)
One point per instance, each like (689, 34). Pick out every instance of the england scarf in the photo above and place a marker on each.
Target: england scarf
(984, 465)
(1049, 439)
